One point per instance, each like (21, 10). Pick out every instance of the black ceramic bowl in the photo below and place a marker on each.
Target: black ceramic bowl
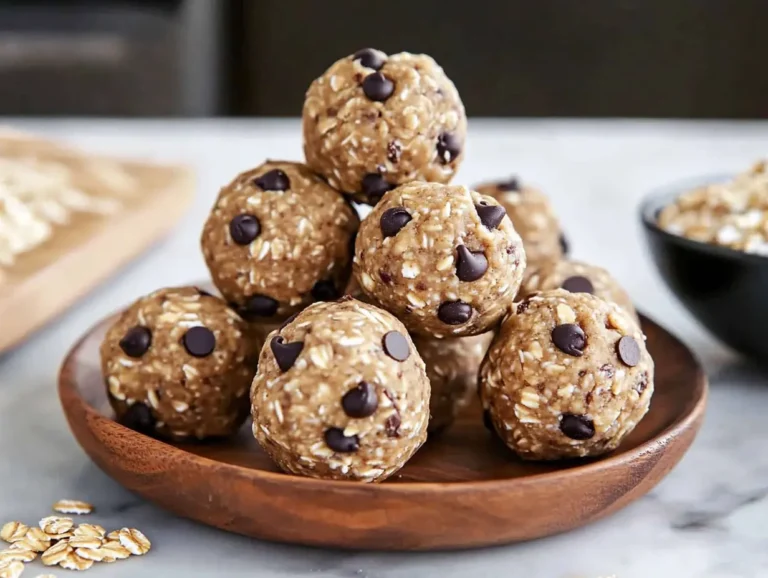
(726, 290)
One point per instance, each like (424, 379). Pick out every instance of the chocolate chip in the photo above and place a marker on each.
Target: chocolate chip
(338, 442)
(139, 417)
(513, 184)
(244, 228)
(628, 351)
(199, 341)
(448, 147)
(642, 383)
(396, 346)
(565, 246)
(490, 215)
(136, 341)
(577, 427)
(378, 87)
(578, 284)
(487, 421)
(392, 220)
(370, 58)
(569, 338)
(392, 425)
(274, 180)
(374, 186)
(259, 306)
(454, 312)
(285, 323)
(385, 277)
(325, 291)
(360, 401)
(470, 265)
(394, 150)
(285, 353)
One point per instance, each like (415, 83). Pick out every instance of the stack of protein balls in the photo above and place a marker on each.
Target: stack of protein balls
(370, 334)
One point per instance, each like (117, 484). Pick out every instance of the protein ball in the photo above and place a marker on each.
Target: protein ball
(576, 277)
(568, 375)
(532, 215)
(452, 368)
(178, 364)
(444, 259)
(373, 121)
(341, 393)
(277, 239)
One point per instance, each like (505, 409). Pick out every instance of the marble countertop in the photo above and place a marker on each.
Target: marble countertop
(706, 520)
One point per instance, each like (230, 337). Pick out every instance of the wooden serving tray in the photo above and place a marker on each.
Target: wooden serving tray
(463, 489)
(86, 251)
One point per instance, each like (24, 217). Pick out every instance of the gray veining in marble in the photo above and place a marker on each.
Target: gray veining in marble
(706, 520)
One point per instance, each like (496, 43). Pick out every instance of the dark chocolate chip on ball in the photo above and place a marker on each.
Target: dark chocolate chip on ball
(569, 338)
(490, 215)
(577, 427)
(374, 186)
(392, 425)
(244, 228)
(139, 418)
(628, 351)
(199, 341)
(259, 306)
(510, 185)
(338, 442)
(136, 341)
(454, 312)
(392, 220)
(285, 353)
(396, 346)
(370, 58)
(565, 246)
(378, 87)
(274, 180)
(448, 147)
(470, 265)
(578, 284)
(360, 401)
(325, 290)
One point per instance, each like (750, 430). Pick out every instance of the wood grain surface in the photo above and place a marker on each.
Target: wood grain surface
(463, 489)
(86, 251)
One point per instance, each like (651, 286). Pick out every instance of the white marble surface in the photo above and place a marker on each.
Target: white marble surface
(706, 520)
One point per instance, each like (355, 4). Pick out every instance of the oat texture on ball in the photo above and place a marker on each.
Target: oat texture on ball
(277, 239)
(533, 216)
(452, 368)
(576, 277)
(341, 393)
(178, 364)
(373, 121)
(568, 375)
(444, 259)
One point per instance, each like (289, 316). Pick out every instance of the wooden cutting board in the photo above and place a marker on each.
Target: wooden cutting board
(84, 252)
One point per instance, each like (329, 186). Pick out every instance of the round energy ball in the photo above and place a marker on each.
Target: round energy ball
(452, 369)
(444, 259)
(532, 215)
(567, 376)
(341, 393)
(278, 238)
(373, 121)
(576, 277)
(178, 364)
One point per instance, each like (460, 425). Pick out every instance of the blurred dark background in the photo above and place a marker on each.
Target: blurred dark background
(594, 58)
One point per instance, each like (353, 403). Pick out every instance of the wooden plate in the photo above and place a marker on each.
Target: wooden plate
(463, 489)
(91, 247)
